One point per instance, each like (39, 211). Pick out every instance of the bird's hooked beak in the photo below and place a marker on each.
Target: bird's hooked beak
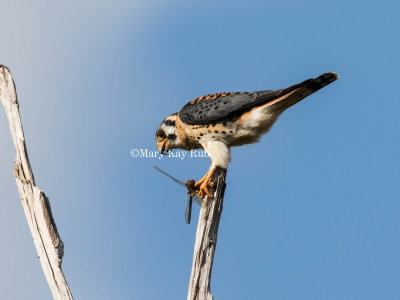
(163, 148)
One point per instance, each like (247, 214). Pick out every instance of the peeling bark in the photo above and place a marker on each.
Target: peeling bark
(48, 243)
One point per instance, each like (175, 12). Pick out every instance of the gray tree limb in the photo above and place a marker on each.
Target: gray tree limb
(206, 240)
(36, 205)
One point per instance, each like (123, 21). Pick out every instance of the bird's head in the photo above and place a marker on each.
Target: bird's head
(166, 135)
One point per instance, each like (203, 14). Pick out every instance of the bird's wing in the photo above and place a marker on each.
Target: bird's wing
(214, 107)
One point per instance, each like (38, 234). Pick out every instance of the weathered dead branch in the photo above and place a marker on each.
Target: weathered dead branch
(206, 241)
(36, 205)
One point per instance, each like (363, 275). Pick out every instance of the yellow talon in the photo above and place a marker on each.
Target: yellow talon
(203, 184)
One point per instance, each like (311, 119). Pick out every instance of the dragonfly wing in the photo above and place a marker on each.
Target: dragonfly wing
(173, 178)
(197, 199)
(189, 198)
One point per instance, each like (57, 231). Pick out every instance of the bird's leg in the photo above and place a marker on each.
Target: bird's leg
(203, 184)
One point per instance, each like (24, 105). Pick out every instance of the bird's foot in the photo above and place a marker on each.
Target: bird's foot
(203, 185)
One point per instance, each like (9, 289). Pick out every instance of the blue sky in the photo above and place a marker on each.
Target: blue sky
(310, 212)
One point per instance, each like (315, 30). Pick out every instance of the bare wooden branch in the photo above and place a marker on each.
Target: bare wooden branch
(206, 241)
(36, 205)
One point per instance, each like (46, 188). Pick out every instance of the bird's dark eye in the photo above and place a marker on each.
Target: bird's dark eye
(160, 135)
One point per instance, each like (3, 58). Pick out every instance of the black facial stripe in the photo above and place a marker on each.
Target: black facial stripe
(171, 137)
(170, 123)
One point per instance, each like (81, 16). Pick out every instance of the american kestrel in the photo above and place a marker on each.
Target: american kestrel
(216, 122)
